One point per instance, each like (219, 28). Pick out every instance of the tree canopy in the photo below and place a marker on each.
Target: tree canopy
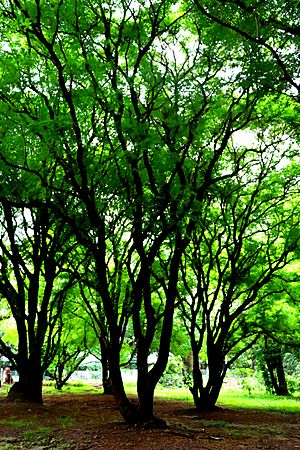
(161, 138)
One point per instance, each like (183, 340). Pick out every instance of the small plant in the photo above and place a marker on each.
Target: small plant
(173, 373)
(247, 379)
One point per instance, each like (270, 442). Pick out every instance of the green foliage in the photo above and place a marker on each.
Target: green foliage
(291, 362)
(149, 161)
(173, 374)
(248, 379)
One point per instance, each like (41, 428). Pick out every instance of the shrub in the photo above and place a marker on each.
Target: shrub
(173, 373)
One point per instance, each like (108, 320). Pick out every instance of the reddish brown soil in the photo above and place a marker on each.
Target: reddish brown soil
(69, 422)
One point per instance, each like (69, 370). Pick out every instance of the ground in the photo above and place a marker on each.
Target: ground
(91, 421)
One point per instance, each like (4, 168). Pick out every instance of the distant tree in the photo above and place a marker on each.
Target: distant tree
(272, 367)
(75, 342)
(277, 320)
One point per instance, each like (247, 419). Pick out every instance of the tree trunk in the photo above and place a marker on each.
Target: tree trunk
(127, 409)
(145, 388)
(28, 388)
(59, 376)
(106, 381)
(206, 396)
(146, 403)
(277, 375)
(282, 388)
(274, 364)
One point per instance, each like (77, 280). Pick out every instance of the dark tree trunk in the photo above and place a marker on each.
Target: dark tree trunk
(274, 364)
(127, 409)
(206, 396)
(59, 383)
(146, 404)
(148, 378)
(277, 375)
(145, 390)
(29, 386)
(282, 388)
(145, 387)
(106, 381)
(107, 386)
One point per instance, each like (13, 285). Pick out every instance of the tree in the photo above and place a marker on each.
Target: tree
(130, 116)
(274, 374)
(278, 322)
(34, 282)
(75, 342)
(247, 234)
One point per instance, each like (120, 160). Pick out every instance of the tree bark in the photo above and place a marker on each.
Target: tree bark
(29, 386)
(206, 396)
(106, 381)
(127, 409)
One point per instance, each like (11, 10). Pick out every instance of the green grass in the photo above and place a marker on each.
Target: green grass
(228, 398)
(233, 399)
(71, 388)
(18, 423)
(4, 390)
(174, 393)
(65, 421)
(244, 430)
(40, 436)
(7, 446)
(239, 399)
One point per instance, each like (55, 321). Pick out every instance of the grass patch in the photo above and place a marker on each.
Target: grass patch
(18, 423)
(174, 393)
(65, 421)
(7, 446)
(130, 387)
(221, 424)
(4, 390)
(71, 388)
(40, 436)
(244, 430)
(238, 399)
(259, 401)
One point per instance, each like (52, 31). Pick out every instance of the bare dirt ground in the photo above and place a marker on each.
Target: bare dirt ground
(79, 422)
